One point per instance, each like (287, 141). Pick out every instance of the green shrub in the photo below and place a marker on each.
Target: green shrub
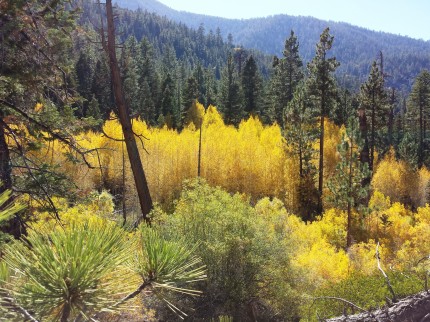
(246, 259)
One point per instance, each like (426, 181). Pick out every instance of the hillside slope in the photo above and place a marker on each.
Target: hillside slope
(354, 47)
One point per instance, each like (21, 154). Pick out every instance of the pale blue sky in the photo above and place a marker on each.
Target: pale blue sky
(404, 17)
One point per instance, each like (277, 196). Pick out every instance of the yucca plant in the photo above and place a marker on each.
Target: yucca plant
(69, 272)
(5, 214)
(167, 265)
(11, 209)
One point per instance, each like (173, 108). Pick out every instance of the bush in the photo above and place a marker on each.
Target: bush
(245, 251)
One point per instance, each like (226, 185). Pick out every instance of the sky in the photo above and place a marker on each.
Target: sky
(402, 17)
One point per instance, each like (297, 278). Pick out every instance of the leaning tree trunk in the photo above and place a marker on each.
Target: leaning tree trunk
(415, 308)
(124, 117)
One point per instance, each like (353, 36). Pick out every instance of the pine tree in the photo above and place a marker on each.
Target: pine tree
(168, 102)
(300, 132)
(189, 97)
(149, 83)
(35, 92)
(211, 87)
(198, 74)
(346, 185)
(287, 74)
(252, 87)
(102, 87)
(322, 87)
(231, 94)
(419, 111)
(130, 75)
(84, 69)
(374, 101)
(94, 109)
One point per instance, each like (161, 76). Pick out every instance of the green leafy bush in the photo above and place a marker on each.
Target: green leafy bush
(245, 252)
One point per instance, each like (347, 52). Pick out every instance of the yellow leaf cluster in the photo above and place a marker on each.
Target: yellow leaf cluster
(397, 180)
(95, 211)
(250, 159)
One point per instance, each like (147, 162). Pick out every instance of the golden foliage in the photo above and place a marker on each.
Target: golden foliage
(396, 179)
(250, 159)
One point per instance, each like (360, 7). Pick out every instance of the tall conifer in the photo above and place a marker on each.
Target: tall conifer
(322, 87)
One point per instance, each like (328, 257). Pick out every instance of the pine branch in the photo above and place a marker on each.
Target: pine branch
(55, 135)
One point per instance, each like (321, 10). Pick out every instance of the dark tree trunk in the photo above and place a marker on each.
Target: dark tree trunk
(415, 308)
(124, 117)
(321, 165)
(349, 208)
(5, 167)
(421, 137)
(391, 117)
(13, 226)
(364, 153)
(372, 133)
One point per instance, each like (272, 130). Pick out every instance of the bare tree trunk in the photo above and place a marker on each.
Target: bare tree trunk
(124, 117)
(415, 308)
(364, 153)
(321, 165)
(5, 167)
(349, 208)
(391, 116)
(13, 226)
(199, 160)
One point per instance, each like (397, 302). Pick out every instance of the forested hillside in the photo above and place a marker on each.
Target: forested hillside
(355, 47)
(153, 171)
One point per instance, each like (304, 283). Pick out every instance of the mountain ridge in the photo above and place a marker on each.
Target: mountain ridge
(355, 47)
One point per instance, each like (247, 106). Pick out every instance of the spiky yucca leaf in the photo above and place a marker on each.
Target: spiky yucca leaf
(10, 210)
(69, 272)
(170, 265)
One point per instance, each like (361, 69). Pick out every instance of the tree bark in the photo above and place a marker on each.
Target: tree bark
(13, 226)
(321, 166)
(415, 308)
(124, 117)
(364, 153)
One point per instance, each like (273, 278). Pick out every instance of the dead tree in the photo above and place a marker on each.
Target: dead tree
(125, 120)
(415, 308)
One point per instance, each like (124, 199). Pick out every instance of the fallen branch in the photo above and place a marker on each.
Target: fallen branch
(414, 308)
(390, 287)
(349, 303)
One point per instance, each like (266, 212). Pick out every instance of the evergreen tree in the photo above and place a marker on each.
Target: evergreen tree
(94, 109)
(419, 111)
(391, 116)
(102, 87)
(130, 75)
(347, 103)
(198, 74)
(374, 101)
(149, 83)
(322, 87)
(230, 95)
(34, 93)
(252, 87)
(168, 102)
(300, 132)
(84, 70)
(346, 185)
(189, 97)
(211, 87)
(287, 74)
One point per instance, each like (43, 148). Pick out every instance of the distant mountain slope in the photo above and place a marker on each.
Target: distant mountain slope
(354, 47)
